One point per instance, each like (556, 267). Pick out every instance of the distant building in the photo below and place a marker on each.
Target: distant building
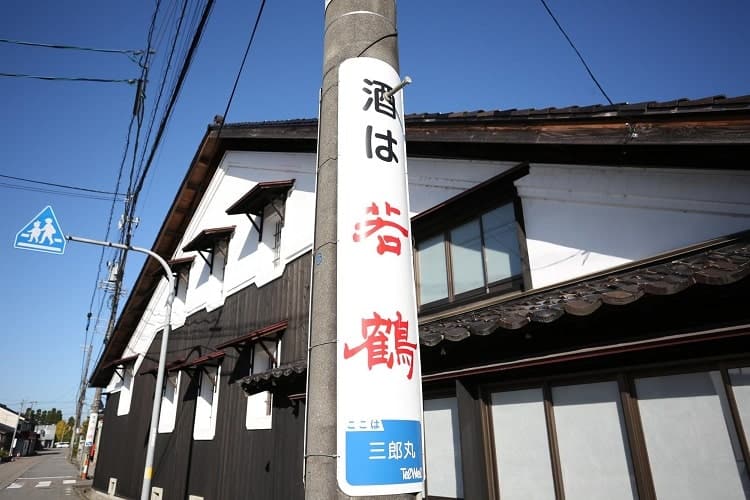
(8, 423)
(46, 435)
(582, 279)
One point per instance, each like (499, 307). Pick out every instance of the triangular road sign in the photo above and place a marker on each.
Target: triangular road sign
(42, 234)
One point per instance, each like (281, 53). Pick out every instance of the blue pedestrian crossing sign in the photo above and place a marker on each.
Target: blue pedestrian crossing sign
(42, 234)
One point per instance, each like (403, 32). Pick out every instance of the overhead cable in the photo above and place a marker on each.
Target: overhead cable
(242, 65)
(70, 79)
(71, 47)
(591, 74)
(59, 185)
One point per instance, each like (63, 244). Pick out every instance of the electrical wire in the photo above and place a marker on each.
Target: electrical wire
(242, 65)
(60, 185)
(172, 100)
(129, 81)
(71, 47)
(53, 191)
(588, 70)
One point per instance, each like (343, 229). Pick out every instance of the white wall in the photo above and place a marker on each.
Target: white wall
(583, 219)
(431, 181)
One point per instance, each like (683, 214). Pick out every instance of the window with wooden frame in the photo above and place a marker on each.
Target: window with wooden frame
(676, 434)
(260, 352)
(207, 403)
(169, 398)
(264, 356)
(471, 245)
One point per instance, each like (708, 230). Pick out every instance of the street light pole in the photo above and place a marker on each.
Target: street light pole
(156, 408)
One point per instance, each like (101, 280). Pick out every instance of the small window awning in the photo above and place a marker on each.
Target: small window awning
(121, 361)
(255, 335)
(181, 263)
(212, 359)
(285, 376)
(177, 265)
(170, 366)
(206, 239)
(262, 194)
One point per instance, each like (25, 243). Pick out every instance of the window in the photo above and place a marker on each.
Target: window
(207, 403)
(478, 256)
(690, 436)
(264, 356)
(126, 389)
(170, 395)
(212, 246)
(592, 448)
(443, 448)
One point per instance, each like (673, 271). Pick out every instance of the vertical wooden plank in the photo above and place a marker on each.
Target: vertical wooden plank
(735, 411)
(634, 430)
(476, 476)
(554, 450)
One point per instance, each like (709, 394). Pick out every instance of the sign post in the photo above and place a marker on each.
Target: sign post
(43, 234)
(379, 394)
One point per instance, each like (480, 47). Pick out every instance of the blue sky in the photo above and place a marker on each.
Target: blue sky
(461, 56)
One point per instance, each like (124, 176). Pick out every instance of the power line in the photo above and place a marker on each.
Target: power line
(60, 185)
(54, 191)
(242, 65)
(173, 99)
(71, 47)
(129, 81)
(591, 74)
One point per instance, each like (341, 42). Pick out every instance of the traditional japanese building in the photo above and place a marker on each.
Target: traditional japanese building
(581, 275)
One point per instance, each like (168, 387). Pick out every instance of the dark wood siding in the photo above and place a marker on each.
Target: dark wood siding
(122, 449)
(237, 463)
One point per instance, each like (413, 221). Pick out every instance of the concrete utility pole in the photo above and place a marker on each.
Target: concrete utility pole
(353, 28)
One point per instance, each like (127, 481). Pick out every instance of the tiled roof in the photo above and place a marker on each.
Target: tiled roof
(718, 264)
(623, 109)
(271, 379)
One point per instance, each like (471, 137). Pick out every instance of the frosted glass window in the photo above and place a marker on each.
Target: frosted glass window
(442, 448)
(688, 438)
(126, 390)
(524, 466)
(433, 277)
(168, 410)
(206, 404)
(501, 252)
(466, 257)
(740, 380)
(260, 405)
(594, 454)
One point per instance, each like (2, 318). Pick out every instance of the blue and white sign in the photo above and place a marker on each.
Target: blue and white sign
(379, 383)
(383, 452)
(42, 234)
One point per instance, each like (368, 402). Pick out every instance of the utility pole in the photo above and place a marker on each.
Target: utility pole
(18, 421)
(81, 399)
(353, 28)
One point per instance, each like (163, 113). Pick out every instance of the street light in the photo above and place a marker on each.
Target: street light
(156, 408)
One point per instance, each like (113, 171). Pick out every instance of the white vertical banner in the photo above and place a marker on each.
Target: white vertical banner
(91, 430)
(379, 392)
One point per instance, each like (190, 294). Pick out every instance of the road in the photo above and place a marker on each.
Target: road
(46, 476)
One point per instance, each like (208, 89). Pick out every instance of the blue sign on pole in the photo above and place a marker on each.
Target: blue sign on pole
(42, 234)
(384, 452)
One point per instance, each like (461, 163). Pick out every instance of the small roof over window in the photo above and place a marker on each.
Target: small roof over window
(211, 359)
(255, 335)
(121, 361)
(263, 193)
(180, 263)
(207, 238)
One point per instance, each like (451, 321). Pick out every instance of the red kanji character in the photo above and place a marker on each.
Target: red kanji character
(404, 349)
(386, 243)
(385, 341)
(376, 342)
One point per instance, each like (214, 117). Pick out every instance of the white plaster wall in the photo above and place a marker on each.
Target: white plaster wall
(584, 219)
(431, 181)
